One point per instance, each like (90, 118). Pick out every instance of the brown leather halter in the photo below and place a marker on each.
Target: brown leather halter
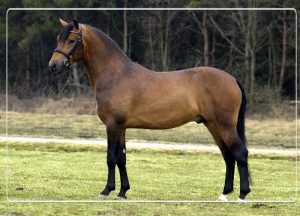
(70, 55)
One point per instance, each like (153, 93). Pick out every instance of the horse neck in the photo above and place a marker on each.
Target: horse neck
(103, 59)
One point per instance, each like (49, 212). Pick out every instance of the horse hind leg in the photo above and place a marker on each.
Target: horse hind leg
(229, 161)
(240, 154)
(230, 167)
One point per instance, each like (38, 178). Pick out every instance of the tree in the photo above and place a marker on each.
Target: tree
(203, 26)
(125, 28)
(283, 58)
(256, 47)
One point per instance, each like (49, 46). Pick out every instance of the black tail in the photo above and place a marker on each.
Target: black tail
(241, 119)
(241, 122)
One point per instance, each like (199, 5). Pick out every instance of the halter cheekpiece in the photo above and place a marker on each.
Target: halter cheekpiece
(70, 55)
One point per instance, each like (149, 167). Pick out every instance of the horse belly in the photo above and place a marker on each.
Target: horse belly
(169, 100)
(162, 117)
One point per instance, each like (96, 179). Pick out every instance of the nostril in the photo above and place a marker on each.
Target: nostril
(52, 67)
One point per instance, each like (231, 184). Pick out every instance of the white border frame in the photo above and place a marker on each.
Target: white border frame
(150, 201)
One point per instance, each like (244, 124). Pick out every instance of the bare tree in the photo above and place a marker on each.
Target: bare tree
(247, 22)
(203, 27)
(165, 27)
(76, 78)
(206, 41)
(283, 58)
(125, 28)
(150, 26)
(75, 68)
(253, 28)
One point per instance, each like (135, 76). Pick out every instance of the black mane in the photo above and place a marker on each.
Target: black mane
(111, 43)
(66, 31)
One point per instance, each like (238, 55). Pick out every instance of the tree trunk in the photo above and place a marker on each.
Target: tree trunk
(76, 79)
(273, 60)
(206, 40)
(125, 28)
(283, 59)
(253, 60)
(43, 69)
(27, 76)
(213, 50)
(270, 61)
(166, 43)
(151, 42)
(247, 53)
(161, 40)
(230, 61)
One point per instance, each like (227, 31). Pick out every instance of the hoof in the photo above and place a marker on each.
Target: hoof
(122, 194)
(106, 191)
(223, 198)
(103, 196)
(121, 197)
(241, 200)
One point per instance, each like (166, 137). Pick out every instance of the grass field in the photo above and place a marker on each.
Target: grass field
(75, 172)
(268, 133)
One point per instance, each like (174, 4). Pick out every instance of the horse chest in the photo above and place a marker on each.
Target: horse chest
(110, 108)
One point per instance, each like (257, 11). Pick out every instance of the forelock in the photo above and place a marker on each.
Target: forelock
(66, 31)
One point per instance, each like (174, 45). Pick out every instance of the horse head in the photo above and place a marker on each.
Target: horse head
(69, 46)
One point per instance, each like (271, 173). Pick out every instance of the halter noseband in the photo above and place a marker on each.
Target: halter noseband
(69, 56)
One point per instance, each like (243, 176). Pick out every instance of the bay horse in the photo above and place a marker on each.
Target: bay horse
(129, 95)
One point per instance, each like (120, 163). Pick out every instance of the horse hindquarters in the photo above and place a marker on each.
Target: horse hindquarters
(228, 126)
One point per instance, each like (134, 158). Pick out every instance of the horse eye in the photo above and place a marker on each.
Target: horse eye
(71, 41)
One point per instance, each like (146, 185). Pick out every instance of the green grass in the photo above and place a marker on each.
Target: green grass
(74, 172)
(268, 133)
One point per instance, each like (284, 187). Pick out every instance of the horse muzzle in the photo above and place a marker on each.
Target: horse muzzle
(55, 66)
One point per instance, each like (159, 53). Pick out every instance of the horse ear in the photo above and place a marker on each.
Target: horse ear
(63, 23)
(76, 24)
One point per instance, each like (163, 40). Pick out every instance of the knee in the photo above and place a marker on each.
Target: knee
(111, 163)
(228, 158)
(121, 162)
(237, 148)
(111, 160)
(243, 152)
(241, 155)
(230, 163)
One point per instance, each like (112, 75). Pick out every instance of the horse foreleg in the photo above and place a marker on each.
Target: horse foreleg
(121, 163)
(114, 132)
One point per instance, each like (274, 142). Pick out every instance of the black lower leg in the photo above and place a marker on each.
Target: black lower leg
(230, 166)
(242, 162)
(240, 154)
(121, 162)
(244, 179)
(111, 164)
(114, 134)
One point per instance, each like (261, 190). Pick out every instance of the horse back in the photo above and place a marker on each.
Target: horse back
(147, 99)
